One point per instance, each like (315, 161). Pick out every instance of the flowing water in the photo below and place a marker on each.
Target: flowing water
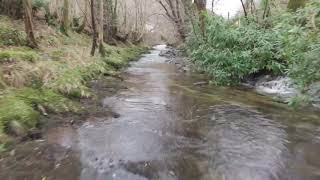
(171, 129)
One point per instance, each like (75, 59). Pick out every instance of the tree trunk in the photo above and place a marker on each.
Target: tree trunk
(244, 9)
(65, 19)
(85, 18)
(31, 41)
(201, 7)
(175, 10)
(100, 31)
(295, 4)
(94, 29)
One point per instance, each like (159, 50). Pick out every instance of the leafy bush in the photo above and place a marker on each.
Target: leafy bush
(300, 42)
(289, 45)
(231, 54)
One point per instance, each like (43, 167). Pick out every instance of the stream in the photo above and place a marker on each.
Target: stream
(171, 128)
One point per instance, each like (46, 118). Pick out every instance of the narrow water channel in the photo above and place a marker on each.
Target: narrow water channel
(171, 129)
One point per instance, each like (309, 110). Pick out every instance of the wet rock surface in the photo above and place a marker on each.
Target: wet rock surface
(281, 87)
(284, 89)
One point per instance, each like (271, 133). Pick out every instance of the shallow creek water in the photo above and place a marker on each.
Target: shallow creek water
(171, 129)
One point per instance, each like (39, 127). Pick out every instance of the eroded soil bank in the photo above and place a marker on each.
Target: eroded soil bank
(161, 122)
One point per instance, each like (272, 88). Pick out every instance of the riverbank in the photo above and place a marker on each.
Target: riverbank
(167, 125)
(36, 84)
(280, 88)
(280, 52)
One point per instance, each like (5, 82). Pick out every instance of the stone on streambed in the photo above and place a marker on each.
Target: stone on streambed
(284, 89)
(169, 53)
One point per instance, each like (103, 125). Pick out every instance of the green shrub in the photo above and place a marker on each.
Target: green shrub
(300, 42)
(231, 54)
(287, 44)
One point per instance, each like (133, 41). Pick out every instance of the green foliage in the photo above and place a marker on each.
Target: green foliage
(300, 43)
(288, 45)
(18, 55)
(231, 54)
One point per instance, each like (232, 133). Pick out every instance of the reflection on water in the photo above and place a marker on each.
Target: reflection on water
(170, 129)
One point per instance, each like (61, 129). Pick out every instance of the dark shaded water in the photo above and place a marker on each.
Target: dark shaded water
(171, 129)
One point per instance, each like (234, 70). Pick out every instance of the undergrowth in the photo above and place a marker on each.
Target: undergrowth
(9, 35)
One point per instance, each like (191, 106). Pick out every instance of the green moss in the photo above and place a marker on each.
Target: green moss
(120, 56)
(51, 100)
(15, 109)
(115, 62)
(18, 55)
(22, 106)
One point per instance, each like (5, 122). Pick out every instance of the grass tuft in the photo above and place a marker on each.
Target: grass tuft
(18, 55)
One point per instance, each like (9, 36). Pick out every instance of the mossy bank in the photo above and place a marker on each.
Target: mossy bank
(51, 79)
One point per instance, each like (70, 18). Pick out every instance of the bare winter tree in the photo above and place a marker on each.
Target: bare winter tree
(31, 41)
(94, 28)
(244, 8)
(100, 29)
(174, 9)
(65, 23)
(111, 20)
